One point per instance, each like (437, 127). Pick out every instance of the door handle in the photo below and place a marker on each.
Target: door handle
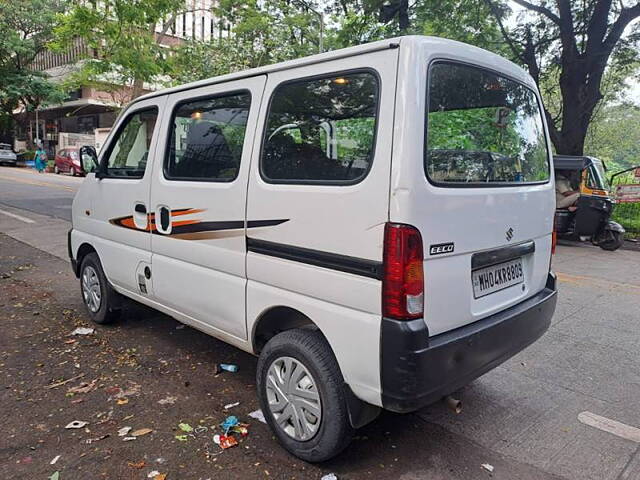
(164, 214)
(140, 216)
(140, 208)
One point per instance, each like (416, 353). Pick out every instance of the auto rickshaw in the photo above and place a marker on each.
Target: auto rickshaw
(589, 216)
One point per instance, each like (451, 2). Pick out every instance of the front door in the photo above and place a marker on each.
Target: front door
(120, 199)
(199, 198)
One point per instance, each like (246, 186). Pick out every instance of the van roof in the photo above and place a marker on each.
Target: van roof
(409, 40)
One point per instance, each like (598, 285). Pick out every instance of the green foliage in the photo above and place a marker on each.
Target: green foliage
(121, 34)
(25, 28)
(614, 136)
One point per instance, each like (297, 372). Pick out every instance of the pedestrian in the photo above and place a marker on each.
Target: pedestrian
(40, 159)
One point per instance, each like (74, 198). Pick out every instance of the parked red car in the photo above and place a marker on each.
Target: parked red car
(68, 161)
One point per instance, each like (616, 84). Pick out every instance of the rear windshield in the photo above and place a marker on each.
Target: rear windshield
(482, 129)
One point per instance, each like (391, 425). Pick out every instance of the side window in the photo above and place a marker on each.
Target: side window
(321, 130)
(127, 155)
(206, 138)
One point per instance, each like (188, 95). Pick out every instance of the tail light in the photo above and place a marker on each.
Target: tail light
(403, 282)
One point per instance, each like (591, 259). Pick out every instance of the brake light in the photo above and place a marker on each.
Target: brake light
(403, 282)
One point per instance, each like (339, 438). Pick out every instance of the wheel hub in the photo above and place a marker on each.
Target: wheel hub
(91, 288)
(294, 400)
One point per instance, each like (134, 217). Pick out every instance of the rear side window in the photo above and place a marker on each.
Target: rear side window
(482, 129)
(206, 138)
(321, 130)
(127, 155)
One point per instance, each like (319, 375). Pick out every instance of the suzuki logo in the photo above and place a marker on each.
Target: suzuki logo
(509, 234)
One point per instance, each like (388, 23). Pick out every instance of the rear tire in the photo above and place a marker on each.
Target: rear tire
(315, 373)
(615, 241)
(56, 170)
(72, 171)
(100, 299)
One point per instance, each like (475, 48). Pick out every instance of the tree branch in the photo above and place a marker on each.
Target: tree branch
(626, 16)
(514, 49)
(541, 10)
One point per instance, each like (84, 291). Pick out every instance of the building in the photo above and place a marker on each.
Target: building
(88, 114)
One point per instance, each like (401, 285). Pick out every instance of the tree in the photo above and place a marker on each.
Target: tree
(614, 136)
(260, 33)
(25, 28)
(122, 35)
(577, 45)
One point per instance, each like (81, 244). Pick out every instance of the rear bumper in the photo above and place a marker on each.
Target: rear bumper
(418, 370)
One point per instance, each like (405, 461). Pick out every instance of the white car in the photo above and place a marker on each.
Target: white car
(375, 223)
(7, 155)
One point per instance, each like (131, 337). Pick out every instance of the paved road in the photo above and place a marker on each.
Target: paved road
(44, 193)
(567, 407)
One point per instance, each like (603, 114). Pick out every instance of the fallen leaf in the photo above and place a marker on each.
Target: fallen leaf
(124, 431)
(160, 476)
(140, 432)
(185, 427)
(137, 465)
(123, 401)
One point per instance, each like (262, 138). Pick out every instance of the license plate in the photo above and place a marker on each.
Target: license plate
(497, 277)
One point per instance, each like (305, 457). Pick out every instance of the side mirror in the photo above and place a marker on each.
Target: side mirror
(89, 160)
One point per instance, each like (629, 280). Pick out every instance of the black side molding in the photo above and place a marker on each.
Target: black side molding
(503, 254)
(333, 261)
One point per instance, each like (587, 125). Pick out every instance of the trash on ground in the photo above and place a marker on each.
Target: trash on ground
(231, 405)
(140, 432)
(487, 467)
(58, 384)
(242, 429)
(180, 327)
(181, 438)
(200, 429)
(122, 401)
(168, 400)
(89, 441)
(153, 474)
(185, 427)
(258, 415)
(76, 424)
(55, 459)
(82, 331)
(329, 476)
(84, 387)
(227, 367)
(124, 431)
(137, 465)
(128, 439)
(55, 476)
(226, 441)
(230, 422)
(161, 460)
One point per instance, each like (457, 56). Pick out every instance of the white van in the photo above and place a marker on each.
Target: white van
(375, 223)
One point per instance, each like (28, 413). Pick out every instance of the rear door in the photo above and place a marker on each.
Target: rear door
(199, 201)
(479, 188)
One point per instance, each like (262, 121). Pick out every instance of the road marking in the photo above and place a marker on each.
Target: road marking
(611, 426)
(18, 217)
(39, 184)
(584, 280)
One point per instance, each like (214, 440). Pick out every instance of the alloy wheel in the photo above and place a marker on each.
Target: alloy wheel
(294, 400)
(91, 288)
